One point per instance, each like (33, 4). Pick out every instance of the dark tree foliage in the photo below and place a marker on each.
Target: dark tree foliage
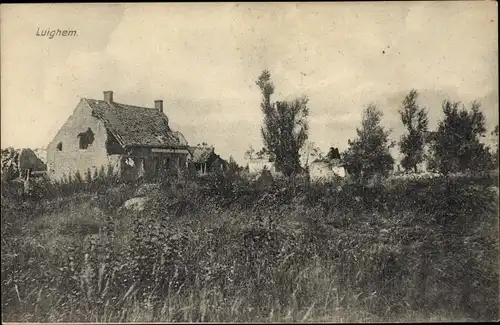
(495, 150)
(412, 143)
(333, 153)
(264, 153)
(233, 166)
(369, 154)
(456, 146)
(285, 127)
(261, 154)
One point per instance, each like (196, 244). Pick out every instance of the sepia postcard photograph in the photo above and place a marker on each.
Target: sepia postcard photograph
(306, 162)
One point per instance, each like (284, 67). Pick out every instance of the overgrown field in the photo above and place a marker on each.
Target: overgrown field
(223, 249)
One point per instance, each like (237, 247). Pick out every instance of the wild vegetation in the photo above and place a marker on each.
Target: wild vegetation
(220, 249)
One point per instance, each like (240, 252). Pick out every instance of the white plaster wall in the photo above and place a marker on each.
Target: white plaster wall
(71, 158)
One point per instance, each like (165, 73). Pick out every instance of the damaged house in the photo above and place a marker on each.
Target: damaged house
(132, 141)
(327, 167)
(204, 160)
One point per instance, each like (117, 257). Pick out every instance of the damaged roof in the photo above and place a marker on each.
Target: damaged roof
(200, 155)
(136, 126)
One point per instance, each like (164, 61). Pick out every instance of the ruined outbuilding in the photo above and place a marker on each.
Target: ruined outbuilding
(204, 160)
(328, 167)
(21, 163)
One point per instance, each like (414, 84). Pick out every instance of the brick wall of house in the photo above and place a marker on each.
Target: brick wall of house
(71, 158)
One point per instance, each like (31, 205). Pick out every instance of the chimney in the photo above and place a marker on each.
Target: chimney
(108, 96)
(159, 105)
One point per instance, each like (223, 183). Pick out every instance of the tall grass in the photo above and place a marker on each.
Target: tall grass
(223, 249)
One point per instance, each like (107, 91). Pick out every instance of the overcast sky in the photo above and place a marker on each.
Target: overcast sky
(203, 60)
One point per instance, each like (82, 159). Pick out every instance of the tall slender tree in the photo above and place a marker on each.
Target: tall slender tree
(412, 144)
(285, 127)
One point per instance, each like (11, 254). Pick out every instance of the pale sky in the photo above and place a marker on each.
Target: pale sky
(203, 60)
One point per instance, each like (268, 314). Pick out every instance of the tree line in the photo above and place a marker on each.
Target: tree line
(455, 146)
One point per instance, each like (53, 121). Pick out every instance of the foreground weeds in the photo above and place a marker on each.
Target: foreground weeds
(220, 249)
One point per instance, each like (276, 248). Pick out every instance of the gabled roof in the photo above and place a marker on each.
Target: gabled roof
(136, 126)
(200, 155)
